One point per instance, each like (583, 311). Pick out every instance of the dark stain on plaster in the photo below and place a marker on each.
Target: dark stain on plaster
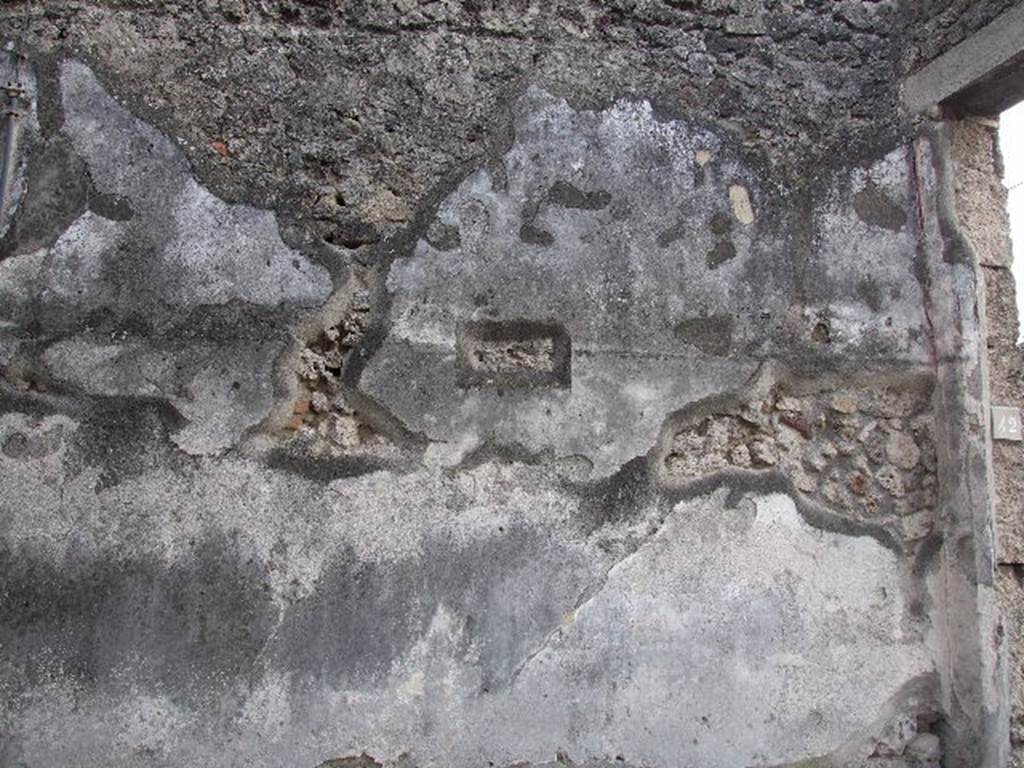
(364, 615)
(443, 237)
(503, 453)
(673, 233)
(19, 399)
(326, 469)
(113, 207)
(876, 208)
(534, 236)
(926, 558)
(359, 618)
(720, 223)
(568, 196)
(231, 322)
(352, 761)
(870, 293)
(528, 232)
(711, 334)
(563, 194)
(622, 496)
(723, 251)
(123, 438)
(199, 625)
(190, 627)
(59, 192)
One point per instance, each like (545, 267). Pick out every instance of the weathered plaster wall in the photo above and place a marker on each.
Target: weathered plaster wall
(982, 198)
(464, 384)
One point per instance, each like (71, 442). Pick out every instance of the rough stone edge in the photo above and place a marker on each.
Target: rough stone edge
(973, 669)
(1006, 361)
(816, 513)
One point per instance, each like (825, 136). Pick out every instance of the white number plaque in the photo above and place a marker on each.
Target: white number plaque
(1006, 423)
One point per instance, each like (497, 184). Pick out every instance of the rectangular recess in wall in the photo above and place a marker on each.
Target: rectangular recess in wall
(513, 353)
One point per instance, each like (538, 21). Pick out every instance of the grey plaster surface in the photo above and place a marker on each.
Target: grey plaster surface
(150, 300)
(488, 439)
(461, 619)
(634, 276)
(169, 608)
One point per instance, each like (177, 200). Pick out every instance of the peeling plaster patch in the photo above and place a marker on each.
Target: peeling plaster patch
(606, 271)
(130, 296)
(628, 281)
(875, 208)
(208, 251)
(712, 334)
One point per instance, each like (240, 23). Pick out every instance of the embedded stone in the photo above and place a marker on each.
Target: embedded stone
(866, 432)
(791, 404)
(891, 481)
(740, 456)
(764, 452)
(804, 481)
(902, 451)
(340, 429)
(844, 403)
(917, 525)
(858, 483)
(925, 747)
(847, 448)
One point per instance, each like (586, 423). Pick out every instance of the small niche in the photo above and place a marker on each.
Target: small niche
(514, 353)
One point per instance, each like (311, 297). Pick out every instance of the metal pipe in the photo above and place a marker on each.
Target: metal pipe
(15, 91)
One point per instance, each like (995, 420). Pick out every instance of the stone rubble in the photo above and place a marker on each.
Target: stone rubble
(866, 453)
